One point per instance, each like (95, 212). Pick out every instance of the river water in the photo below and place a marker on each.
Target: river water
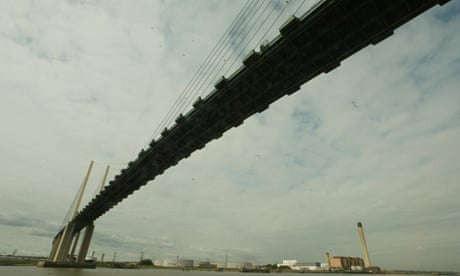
(40, 271)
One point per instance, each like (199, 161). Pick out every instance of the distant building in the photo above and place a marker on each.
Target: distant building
(249, 265)
(288, 263)
(185, 263)
(207, 265)
(166, 262)
(307, 266)
(302, 266)
(347, 263)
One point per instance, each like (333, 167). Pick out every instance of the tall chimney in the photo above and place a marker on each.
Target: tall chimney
(367, 261)
(328, 258)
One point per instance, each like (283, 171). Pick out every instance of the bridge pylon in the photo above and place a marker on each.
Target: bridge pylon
(65, 243)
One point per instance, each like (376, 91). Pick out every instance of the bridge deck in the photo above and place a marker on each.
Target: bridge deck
(306, 47)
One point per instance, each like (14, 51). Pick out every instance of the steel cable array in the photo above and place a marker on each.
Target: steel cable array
(204, 77)
(216, 61)
(211, 58)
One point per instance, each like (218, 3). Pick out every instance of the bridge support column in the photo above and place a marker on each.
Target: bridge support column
(85, 243)
(64, 244)
(74, 246)
(54, 248)
(63, 249)
(84, 247)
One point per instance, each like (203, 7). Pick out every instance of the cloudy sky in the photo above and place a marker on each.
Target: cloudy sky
(376, 140)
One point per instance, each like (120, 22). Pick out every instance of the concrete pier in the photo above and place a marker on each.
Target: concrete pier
(85, 243)
(62, 252)
(75, 243)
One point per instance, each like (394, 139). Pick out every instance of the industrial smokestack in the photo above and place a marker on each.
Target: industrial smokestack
(367, 261)
(328, 258)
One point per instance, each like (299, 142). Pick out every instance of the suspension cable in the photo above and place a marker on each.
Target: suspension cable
(242, 38)
(209, 70)
(173, 108)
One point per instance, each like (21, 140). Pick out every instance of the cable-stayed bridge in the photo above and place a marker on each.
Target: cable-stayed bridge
(307, 46)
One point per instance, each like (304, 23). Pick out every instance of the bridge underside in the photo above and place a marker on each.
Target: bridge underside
(306, 47)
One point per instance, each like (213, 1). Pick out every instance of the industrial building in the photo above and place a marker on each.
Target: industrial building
(207, 265)
(185, 263)
(307, 266)
(175, 262)
(342, 263)
(301, 266)
(346, 263)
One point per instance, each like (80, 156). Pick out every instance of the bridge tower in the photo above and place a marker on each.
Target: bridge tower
(65, 243)
(90, 228)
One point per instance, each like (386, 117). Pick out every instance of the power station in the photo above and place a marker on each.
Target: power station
(347, 263)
